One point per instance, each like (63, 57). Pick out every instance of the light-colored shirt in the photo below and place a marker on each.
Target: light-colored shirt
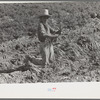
(44, 29)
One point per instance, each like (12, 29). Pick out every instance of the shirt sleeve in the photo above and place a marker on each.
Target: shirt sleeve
(42, 30)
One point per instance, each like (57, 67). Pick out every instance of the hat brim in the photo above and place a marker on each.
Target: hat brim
(45, 16)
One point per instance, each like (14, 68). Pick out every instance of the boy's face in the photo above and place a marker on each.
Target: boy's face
(44, 18)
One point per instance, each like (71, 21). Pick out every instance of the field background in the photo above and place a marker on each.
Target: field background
(77, 49)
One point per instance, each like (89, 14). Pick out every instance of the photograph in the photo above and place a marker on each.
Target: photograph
(50, 42)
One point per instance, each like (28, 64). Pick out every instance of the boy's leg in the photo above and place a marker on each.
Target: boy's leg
(47, 54)
(42, 52)
(51, 54)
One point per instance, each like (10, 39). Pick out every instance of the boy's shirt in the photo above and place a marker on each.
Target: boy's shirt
(44, 29)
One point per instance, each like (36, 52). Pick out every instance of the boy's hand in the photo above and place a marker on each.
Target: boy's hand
(58, 32)
(55, 36)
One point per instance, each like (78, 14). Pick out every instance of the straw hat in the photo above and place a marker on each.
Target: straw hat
(45, 13)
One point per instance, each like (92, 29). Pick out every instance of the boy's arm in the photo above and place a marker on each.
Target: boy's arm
(43, 32)
(53, 31)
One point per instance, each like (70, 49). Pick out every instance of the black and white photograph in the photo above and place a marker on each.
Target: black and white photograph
(50, 42)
